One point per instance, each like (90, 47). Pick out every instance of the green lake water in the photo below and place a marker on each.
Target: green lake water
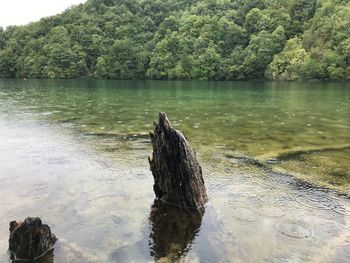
(275, 159)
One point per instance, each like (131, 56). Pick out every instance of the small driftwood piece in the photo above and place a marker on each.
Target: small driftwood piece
(177, 174)
(30, 240)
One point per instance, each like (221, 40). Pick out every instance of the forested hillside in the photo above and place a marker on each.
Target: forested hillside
(184, 39)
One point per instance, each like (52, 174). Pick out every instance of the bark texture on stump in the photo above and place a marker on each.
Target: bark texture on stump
(30, 239)
(177, 174)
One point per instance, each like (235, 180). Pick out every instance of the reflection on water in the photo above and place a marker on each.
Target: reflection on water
(172, 230)
(167, 236)
(87, 175)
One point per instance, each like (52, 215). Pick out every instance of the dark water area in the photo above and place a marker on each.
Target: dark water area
(275, 159)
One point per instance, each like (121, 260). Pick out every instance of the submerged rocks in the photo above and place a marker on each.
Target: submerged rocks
(177, 174)
(30, 240)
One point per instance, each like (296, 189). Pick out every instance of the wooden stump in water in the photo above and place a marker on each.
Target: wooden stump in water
(31, 240)
(177, 174)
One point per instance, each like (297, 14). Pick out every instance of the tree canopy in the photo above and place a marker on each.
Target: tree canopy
(184, 39)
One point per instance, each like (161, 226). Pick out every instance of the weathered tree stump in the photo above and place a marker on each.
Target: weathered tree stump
(30, 240)
(177, 174)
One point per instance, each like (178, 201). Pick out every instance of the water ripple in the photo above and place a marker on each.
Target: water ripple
(271, 211)
(295, 229)
(243, 214)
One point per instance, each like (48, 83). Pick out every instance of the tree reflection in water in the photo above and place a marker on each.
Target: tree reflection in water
(173, 230)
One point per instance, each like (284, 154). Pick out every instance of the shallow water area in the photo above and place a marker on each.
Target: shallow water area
(94, 188)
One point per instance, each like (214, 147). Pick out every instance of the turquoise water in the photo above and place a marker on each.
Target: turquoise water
(261, 120)
(75, 154)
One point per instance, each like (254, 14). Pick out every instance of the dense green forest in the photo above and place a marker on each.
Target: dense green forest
(184, 39)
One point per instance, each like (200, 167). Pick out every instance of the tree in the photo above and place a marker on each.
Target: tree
(184, 39)
(7, 64)
(207, 65)
(121, 59)
(101, 68)
(260, 52)
(288, 64)
(252, 19)
(165, 56)
(301, 11)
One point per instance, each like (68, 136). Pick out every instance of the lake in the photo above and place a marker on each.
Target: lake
(275, 159)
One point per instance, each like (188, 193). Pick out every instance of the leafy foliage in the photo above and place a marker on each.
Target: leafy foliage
(184, 39)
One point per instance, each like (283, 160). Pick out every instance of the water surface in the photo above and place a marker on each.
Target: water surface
(75, 154)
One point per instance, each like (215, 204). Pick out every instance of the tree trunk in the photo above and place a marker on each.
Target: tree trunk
(31, 240)
(177, 174)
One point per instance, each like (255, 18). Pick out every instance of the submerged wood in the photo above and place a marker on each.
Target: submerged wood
(177, 174)
(31, 240)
